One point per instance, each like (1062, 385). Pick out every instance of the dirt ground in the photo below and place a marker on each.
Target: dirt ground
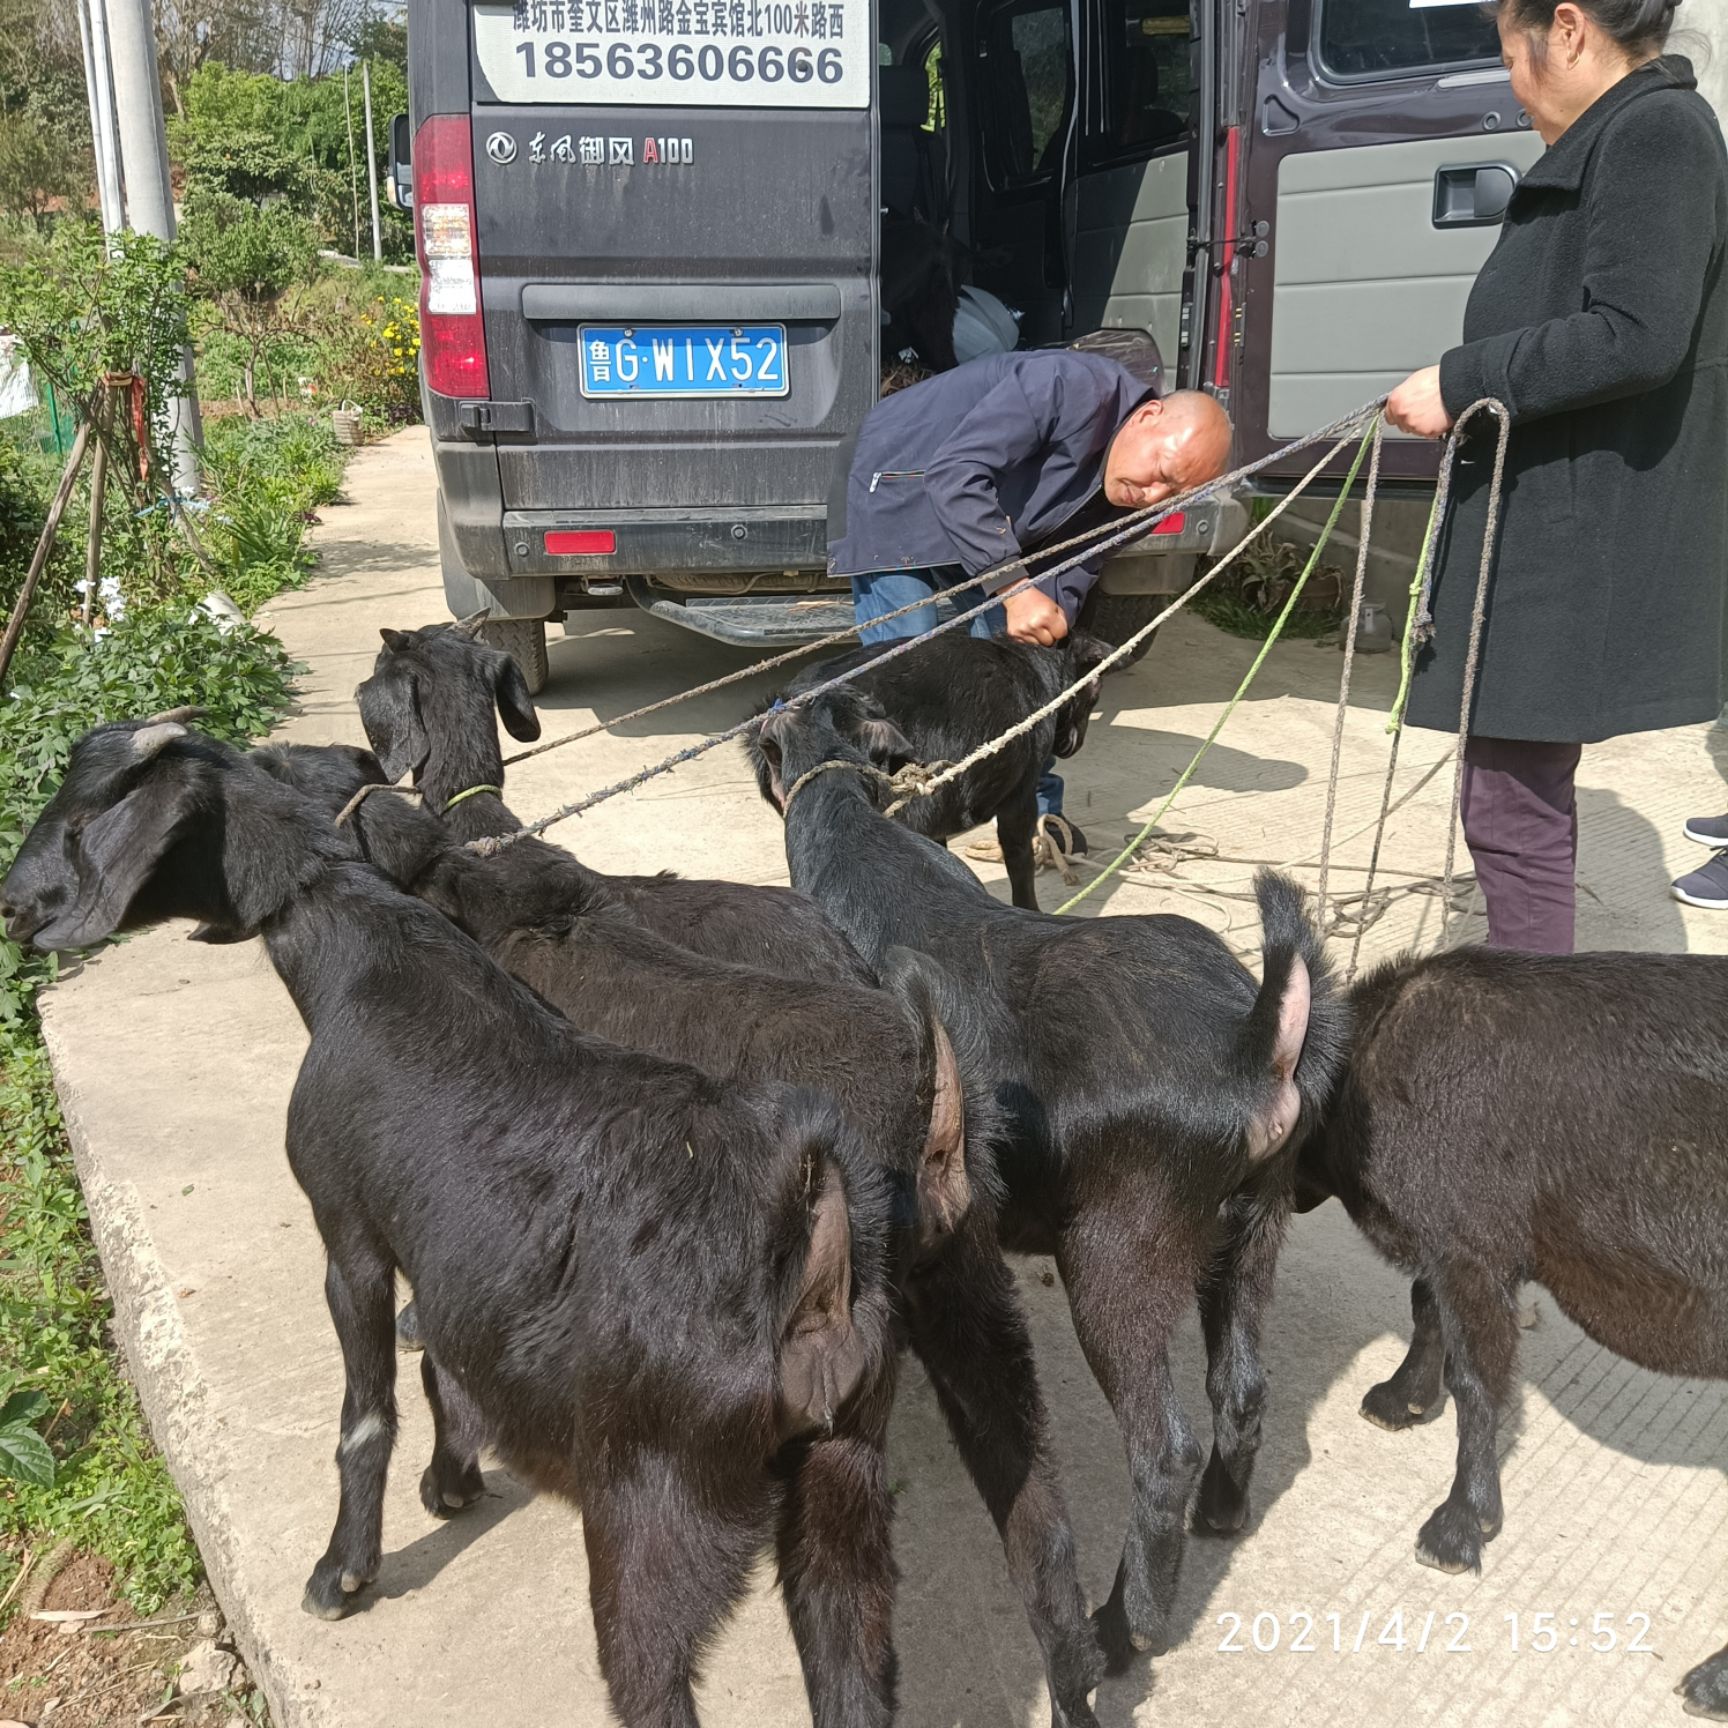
(109, 1667)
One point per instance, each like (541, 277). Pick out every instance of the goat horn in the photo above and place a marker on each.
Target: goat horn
(175, 716)
(151, 740)
(470, 626)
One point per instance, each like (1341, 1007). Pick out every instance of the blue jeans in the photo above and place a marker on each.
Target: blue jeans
(881, 591)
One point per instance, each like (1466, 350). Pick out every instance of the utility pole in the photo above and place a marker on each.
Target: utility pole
(149, 194)
(371, 160)
(99, 86)
(353, 165)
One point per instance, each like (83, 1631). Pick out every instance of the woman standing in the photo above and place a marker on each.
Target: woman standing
(1601, 321)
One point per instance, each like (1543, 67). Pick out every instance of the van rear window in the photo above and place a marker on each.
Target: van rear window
(674, 53)
(1401, 38)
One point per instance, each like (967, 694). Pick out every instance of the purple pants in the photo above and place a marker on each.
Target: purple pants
(1521, 824)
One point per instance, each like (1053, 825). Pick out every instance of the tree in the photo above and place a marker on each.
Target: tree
(247, 243)
(38, 173)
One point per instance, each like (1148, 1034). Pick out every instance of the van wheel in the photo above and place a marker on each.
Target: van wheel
(1113, 618)
(524, 640)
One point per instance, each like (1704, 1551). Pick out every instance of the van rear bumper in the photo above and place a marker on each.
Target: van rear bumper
(670, 541)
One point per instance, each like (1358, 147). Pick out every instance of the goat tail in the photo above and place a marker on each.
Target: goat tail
(1298, 1028)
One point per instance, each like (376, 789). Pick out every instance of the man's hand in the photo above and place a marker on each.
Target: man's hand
(1034, 617)
(1415, 406)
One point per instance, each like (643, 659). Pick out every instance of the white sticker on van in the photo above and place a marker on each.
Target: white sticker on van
(677, 53)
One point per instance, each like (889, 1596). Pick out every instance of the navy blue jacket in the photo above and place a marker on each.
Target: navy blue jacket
(975, 465)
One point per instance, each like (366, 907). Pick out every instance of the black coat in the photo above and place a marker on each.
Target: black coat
(1601, 321)
(973, 465)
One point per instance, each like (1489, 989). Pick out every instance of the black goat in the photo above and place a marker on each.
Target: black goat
(1151, 1093)
(887, 1062)
(667, 1293)
(428, 710)
(950, 695)
(1506, 1117)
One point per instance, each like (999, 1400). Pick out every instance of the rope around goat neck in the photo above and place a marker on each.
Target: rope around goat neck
(902, 780)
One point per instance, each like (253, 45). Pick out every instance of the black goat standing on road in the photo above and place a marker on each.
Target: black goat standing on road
(428, 710)
(888, 1064)
(1151, 1094)
(942, 701)
(668, 1294)
(1506, 1117)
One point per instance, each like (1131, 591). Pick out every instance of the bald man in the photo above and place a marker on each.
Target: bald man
(965, 471)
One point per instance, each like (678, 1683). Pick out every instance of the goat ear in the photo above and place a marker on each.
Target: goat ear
(470, 626)
(884, 743)
(395, 640)
(118, 851)
(768, 758)
(390, 714)
(515, 705)
(821, 1355)
(944, 1188)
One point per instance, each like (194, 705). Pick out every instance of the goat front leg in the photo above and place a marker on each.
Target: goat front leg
(1705, 1689)
(1016, 829)
(1234, 1298)
(452, 1480)
(837, 1576)
(1415, 1389)
(1129, 1281)
(358, 1285)
(966, 1324)
(1479, 1321)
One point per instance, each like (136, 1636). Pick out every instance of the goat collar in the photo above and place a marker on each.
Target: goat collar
(470, 792)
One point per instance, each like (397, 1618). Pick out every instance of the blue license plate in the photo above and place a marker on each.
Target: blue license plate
(683, 360)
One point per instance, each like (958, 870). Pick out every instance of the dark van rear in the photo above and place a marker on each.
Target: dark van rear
(653, 240)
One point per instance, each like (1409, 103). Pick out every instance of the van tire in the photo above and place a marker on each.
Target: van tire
(1113, 618)
(524, 640)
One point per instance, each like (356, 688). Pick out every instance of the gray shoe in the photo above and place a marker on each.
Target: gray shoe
(1707, 887)
(1711, 831)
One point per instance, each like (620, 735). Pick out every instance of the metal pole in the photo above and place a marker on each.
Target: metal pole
(353, 165)
(371, 160)
(98, 86)
(149, 196)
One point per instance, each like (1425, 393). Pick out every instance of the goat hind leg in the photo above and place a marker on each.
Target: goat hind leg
(1479, 1321)
(663, 1570)
(1233, 1303)
(1417, 1386)
(969, 1330)
(1127, 1293)
(837, 1576)
(452, 1480)
(1016, 831)
(358, 1285)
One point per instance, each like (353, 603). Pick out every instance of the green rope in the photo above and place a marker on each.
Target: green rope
(1277, 630)
(1407, 644)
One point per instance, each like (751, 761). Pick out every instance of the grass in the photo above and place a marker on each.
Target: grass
(111, 1494)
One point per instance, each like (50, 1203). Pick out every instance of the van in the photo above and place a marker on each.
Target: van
(654, 282)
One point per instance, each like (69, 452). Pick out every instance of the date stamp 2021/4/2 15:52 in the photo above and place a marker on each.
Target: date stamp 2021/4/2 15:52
(1456, 1634)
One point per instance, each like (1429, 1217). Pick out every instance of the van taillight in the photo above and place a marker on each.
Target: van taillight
(581, 543)
(452, 328)
(1174, 523)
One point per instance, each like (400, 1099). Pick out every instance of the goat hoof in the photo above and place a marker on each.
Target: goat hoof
(1704, 1691)
(1451, 1540)
(408, 1335)
(447, 1490)
(1388, 1406)
(329, 1592)
(1222, 1508)
(1114, 1638)
(1077, 1713)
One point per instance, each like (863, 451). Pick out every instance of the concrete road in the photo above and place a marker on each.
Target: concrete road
(175, 1063)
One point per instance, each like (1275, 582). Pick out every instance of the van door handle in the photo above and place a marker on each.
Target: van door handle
(1475, 196)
